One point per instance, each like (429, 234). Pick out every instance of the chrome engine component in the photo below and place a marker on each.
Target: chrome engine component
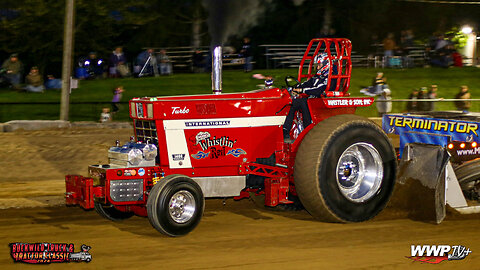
(133, 155)
(126, 190)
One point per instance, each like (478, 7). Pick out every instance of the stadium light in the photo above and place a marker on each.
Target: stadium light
(467, 30)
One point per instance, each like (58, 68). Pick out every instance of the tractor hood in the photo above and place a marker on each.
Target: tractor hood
(265, 102)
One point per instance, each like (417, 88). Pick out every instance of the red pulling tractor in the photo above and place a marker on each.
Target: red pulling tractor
(342, 167)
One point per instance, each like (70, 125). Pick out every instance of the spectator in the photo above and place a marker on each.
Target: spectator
(422, 95)
(378, 85)
(412, 104)
(246, 52)
(198, 61)
(165, 63)
(93, 65)
(406, 38)
(384, 103)
(34, 81)
(463, 105)
(441, 56)
(117, 96)
(432, 94)
(12, 70)
(389, 46)
(406, 41)
(118, 63)
(105, 116)
(53, 83)
(146, 64)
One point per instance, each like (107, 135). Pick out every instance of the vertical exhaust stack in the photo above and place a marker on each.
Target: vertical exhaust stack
(217, 70)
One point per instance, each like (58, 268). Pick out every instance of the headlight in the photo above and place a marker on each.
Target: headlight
(135, 156)
(149, 152)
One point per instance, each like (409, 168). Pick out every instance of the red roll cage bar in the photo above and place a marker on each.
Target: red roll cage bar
(339, 54)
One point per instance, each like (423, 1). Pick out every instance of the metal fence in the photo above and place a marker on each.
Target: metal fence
(401, 106)
(79, 111)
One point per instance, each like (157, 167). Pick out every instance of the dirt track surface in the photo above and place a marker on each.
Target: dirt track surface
(238, 235)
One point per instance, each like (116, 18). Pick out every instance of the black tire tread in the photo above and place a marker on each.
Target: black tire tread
(111, 214)
(468, 171)
(152, 202)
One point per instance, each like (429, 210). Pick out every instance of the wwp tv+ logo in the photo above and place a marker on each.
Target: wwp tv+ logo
(438, 253)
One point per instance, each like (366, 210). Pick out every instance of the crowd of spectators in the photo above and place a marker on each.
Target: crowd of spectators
(423, 99)
(114, 65)
(439, 51)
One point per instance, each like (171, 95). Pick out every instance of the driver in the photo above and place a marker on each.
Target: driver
(314, 87)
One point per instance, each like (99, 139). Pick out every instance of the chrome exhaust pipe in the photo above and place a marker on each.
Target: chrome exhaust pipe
(217, 70)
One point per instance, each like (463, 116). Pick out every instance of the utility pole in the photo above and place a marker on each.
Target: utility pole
(67, 57)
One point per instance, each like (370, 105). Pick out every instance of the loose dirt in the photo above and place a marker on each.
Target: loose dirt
(237, 235)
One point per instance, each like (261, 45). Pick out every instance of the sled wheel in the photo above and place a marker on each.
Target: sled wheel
(345, 169)
(468, 176)
(111, 213)
(175, 205)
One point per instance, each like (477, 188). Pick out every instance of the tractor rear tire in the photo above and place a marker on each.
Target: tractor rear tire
(468, 176)
(175, 205)
(345, 169)
(111, 213)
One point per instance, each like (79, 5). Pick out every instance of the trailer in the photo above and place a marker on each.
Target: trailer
(455, 136)
(341, 167)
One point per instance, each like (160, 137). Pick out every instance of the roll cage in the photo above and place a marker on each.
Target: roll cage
(339, 54)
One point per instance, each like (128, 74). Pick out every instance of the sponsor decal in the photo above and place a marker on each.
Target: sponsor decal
(131, 172)
(236, 152)
(200, 155)
(464, 152)
(214, 147)
(432, 125)
(46, 253)
(435, 254)
(207, 123)
(177, 157)
(139, 107)
(201, 136)
(141, 172)
(179, 110)
(349, 102)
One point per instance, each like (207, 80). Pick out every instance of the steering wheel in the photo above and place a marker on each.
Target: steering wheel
(292, 83)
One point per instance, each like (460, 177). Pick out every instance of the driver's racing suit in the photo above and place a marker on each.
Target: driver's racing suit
(314, 87)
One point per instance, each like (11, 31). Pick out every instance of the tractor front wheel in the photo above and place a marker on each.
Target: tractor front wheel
(175, 205)
(345, 169)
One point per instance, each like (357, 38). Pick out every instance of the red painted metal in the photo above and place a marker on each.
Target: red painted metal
(79, 191)
(236, 132)
(339, 52)
(263, 170)
(276, 191)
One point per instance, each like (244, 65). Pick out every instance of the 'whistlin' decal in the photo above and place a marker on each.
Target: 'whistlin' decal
(214, 147)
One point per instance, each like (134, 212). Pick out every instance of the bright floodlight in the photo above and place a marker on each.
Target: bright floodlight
(467, 30)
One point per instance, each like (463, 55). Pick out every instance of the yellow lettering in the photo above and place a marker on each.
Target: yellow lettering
(452, 126)
(417, 123)
(472, 127)
(443, 125)
(407, 122)
(391, 119)
(461, 127)
(398, 121)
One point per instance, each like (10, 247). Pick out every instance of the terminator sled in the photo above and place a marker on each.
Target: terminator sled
(187, 148)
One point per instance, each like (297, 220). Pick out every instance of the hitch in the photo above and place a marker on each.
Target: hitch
(80, 191)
